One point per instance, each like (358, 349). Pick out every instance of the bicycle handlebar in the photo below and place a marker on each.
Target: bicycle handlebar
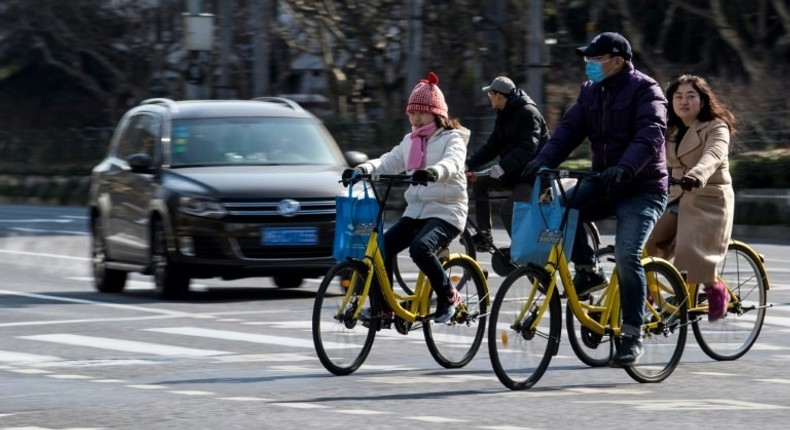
(566, 173)
(378, 177)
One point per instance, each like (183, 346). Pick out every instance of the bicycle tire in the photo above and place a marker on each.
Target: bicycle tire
(342, 342)
(454, 344)
(731, 337)
(593, 234)
(461, 244)
(667, 301)
(520, 357)
(592, 349)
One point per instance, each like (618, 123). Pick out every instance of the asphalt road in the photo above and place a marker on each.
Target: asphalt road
(239, 355)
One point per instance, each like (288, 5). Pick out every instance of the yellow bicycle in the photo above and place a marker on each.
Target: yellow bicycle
(526, 317)
(742, 270)
(343, 337)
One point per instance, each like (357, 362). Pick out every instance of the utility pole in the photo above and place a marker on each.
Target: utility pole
(198, 41)
(227, 9)
(414, 48)
(261, 47)
(535, 52)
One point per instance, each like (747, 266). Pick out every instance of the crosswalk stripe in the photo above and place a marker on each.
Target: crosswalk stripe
(235, 335)
(21, 357)
(124, 345)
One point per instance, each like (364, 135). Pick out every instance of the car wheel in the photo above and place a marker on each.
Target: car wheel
(169, 279)
(105, 280)
(286, 281)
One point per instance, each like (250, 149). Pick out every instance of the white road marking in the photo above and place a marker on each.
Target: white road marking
(60, 376)
(40, 254)
(775, 381)
(245, 399)
(124, 345)
(433, 419)
(689, 404)
(105, 304)
(192, 392)
(282, 357)
(22, 358)
(301, 405)
(236, 336)
(147, 387)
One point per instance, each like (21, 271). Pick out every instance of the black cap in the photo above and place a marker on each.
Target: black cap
(607, 43)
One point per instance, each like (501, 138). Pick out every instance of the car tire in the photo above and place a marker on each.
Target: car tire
(170, 281)
(288, 281)
(105, 280)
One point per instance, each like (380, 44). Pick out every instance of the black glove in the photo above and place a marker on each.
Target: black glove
(347, 175)
(689, 182)
(422, 177)
(528, 174)
(614, 175)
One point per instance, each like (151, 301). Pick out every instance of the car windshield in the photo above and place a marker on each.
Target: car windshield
(250, 141)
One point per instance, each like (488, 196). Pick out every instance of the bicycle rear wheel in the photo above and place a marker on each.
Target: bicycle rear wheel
(341, 341)
(731, 337)
(592, 349)
(460, 245)
(667, 305)
(521, 339)
(454, 343)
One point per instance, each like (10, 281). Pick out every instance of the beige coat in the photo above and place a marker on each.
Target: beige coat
(699, 233)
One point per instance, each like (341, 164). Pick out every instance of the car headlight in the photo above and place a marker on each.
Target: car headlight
(201, 206)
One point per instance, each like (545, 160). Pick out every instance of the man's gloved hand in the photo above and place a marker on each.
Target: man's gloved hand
(528, 174)
(496, 171)
(689, 182)
(422, 177)
(347, 175)
(613, 175)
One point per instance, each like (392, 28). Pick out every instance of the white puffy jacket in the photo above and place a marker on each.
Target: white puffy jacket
(446, 198)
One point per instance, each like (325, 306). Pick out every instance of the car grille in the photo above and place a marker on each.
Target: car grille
(316, 212)
(311, 210)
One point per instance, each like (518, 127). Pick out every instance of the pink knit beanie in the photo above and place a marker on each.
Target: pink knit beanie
(427, 97)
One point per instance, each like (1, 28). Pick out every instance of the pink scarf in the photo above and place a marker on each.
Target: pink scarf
(419, 140)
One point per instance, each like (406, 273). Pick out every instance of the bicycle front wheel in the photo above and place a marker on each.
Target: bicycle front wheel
(666, 312)
(454, 343)
(524, 330)
(341, 341)
(731, 337)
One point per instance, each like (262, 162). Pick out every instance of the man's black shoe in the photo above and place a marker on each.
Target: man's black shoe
(586, 281)
(629, 352)
(483, 241)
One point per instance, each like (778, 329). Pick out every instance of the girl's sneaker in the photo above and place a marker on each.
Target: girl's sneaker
(445, 309)
(718, 299)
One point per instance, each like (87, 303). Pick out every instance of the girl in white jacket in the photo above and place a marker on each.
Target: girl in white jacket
(434, 152)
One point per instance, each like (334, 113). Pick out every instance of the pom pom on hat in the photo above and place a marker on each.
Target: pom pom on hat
(427, 97)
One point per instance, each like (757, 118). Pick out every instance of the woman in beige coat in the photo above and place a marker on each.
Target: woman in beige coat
(697, 224)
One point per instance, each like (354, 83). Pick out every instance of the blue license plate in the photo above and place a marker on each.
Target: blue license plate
(289, 236)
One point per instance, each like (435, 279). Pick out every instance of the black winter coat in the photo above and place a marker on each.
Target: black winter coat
(520, 130)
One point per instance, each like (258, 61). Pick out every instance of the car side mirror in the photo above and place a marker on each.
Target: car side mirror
(140, 163)
(355, 158)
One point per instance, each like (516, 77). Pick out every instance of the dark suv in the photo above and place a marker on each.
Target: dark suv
(230, 189)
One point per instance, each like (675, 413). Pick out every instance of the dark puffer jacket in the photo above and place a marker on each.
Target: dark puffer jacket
(520, 130)
(625, 119)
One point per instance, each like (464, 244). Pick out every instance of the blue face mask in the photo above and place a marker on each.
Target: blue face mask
(594, 71)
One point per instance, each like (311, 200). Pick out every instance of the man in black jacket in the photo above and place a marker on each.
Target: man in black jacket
(519, 131)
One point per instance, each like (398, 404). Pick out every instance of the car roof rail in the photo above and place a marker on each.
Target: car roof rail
(171, 104)
(292, 104)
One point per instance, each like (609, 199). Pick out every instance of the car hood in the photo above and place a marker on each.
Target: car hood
(264, 182)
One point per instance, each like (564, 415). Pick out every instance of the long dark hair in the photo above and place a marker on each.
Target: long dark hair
(710, 105)
(447, 123)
